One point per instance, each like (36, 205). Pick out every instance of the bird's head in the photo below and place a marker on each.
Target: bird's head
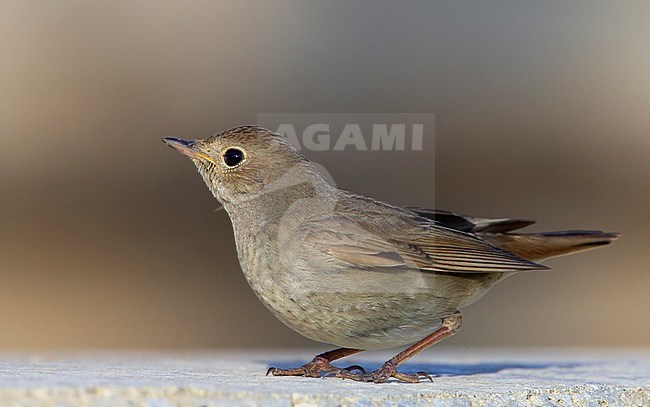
(246, 162)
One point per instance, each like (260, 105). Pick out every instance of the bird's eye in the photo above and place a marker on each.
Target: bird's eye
(233, 156)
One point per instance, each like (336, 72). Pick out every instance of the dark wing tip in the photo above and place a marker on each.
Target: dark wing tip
(505, 225)
(472, 224)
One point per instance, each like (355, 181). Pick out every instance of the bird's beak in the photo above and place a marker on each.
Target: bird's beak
(187, 148)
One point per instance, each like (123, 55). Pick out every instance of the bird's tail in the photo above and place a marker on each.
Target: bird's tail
(538, 246)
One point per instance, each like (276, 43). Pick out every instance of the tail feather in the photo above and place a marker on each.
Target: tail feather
(530, 246)
(538, 246)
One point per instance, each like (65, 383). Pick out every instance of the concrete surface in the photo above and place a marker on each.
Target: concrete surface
(463, 377)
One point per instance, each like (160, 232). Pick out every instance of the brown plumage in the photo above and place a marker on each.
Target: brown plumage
(531, 246)
(349, 270)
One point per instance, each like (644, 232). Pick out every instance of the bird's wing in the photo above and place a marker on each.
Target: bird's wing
(415, 243)
(471, 224)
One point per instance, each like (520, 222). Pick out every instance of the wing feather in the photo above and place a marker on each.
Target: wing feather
(424, 245)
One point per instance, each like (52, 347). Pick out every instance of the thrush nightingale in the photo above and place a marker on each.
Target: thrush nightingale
(351, 271)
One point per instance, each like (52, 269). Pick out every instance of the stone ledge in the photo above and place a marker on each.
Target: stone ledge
(463, 377)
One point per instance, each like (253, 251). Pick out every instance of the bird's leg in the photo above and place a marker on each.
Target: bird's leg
(320, 364)
(450, 326)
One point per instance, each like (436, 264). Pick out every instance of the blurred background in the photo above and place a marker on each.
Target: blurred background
(110, 239)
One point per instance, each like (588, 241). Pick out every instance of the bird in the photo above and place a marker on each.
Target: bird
(351, 271)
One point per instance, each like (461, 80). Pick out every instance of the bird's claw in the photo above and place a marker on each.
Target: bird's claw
(321, 367)
(383, 374)
(312, 369)
(336, 372)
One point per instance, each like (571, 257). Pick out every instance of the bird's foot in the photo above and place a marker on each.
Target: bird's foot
(383, 374)
(315, 368)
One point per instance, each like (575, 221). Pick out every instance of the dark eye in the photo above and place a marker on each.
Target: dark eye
(233, 156)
